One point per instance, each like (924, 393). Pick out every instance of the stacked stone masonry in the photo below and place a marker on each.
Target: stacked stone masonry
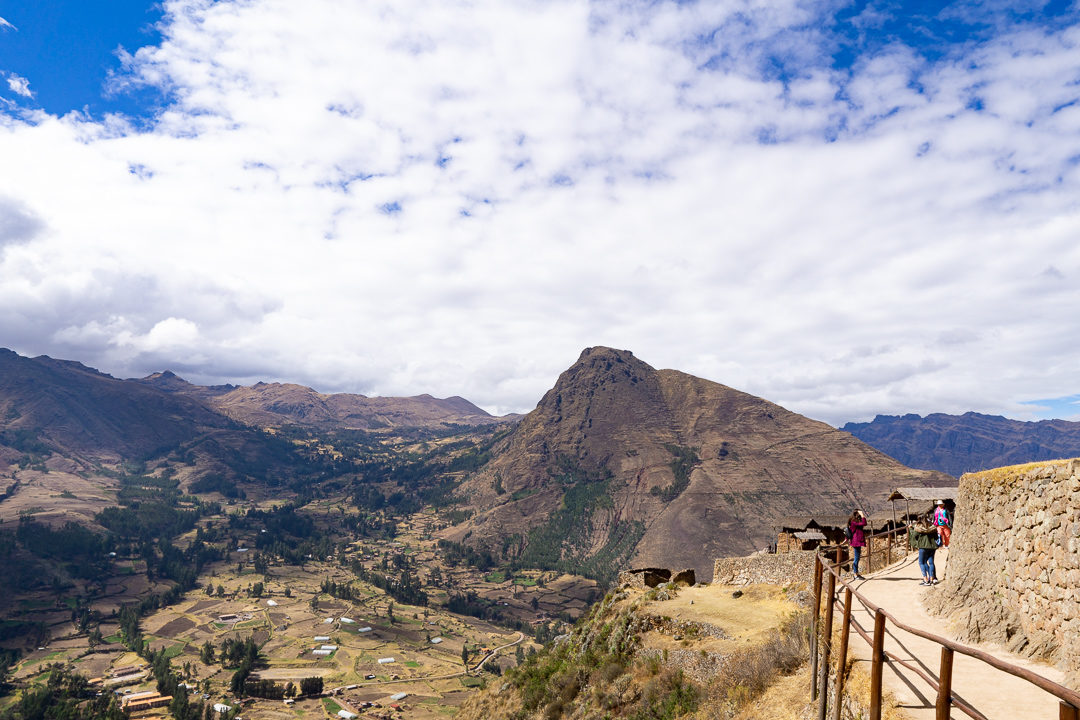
(779, 569)
(1014, 565)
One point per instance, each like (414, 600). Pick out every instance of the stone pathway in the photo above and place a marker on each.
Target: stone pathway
(997, 695)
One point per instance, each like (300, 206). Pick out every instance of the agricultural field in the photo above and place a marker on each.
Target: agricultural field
(371, 648)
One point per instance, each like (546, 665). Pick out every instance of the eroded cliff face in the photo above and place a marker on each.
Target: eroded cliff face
(1014, 564)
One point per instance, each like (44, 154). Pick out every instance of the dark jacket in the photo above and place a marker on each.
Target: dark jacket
(923, 537)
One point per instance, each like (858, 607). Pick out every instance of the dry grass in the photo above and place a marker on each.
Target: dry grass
(1013, 472)
(786, 699)
(752, 672)
(857, 686)
(747, 619)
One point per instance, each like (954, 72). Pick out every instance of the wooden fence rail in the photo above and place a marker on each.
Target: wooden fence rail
(827, 576)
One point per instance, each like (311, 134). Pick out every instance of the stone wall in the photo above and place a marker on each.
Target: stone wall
(779, 569)
(1014, 561)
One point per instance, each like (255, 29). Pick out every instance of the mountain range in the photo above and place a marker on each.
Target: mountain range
(619, 463)
(274, 404)
(957, 444)
(68, 408)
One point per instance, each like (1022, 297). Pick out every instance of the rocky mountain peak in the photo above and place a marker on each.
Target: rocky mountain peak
(621, 462)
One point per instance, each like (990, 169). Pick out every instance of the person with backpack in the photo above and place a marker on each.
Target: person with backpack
(942, 523)
(923, 538)
(857, 539)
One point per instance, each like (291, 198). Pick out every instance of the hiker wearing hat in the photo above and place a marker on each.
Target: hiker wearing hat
(942, 522)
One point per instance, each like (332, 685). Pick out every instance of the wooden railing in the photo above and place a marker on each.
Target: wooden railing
(820, 647)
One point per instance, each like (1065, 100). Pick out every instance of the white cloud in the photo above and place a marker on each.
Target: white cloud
(455, 198)
(18, 84)
(18, 224)
(5, 24)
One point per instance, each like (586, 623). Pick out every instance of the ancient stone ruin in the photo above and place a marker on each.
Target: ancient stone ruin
(1014, 562)
(652, 577)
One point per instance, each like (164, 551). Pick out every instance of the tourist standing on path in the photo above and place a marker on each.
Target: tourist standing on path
(924, 539)
(942, 523)
(857, 538)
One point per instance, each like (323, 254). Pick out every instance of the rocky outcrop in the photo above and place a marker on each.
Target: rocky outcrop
(1014, 562)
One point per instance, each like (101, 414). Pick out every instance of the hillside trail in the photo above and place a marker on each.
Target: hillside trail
(996, 694)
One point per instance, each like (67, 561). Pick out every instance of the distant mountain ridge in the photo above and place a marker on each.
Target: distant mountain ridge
(270, 404)
(81, 410)
(956, 444)
(78, 411)
(621, 463)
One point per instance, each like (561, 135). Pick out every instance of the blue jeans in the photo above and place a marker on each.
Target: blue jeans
(926, 562)
(855, 557)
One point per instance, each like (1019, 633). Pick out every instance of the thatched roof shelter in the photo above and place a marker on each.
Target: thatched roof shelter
(929, 494)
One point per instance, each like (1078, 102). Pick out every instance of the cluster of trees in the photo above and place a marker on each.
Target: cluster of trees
(81, 552)
(311, 686)
(64, 696)
(242, 655)
(285, 533)
(469, 603)
(460, 554)
(214, 482)
(270, 690)
(686, 459)
(563, 543)
(27, 441)
(342, 591)
(148, 519)
(406, 588)
(371, 525)
(235, 652)
(183, 566)
(265, 689)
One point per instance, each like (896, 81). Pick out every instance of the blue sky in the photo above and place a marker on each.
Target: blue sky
(68, 50)
(846, 208)
(71, 49)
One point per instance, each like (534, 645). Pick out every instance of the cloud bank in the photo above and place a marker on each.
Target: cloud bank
(456, 198)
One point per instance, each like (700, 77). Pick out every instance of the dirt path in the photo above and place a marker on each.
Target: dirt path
(998, 695)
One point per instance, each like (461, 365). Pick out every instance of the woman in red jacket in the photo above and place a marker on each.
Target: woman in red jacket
(856, 523)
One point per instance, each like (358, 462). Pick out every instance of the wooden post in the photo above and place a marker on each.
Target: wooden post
(894, 527)
(870, 549)
(826, 641)
(944, 693)
(1068, 712)
(907, 519)
(877, 662)
(818, 560)
(841, 658)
